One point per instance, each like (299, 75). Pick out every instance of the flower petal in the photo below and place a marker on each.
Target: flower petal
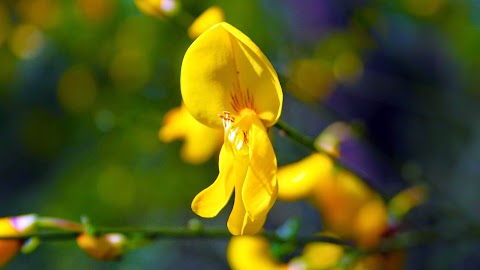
(239, 223)
(211, 200)
(201, 142)
(252, 252)
(297, 180)
(207, 19)
(260, 188)
(223, 70)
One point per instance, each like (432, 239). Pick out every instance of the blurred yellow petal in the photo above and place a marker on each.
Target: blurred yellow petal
(407, 199)
(370, 223)
(106, 247)
(297, 180)
(201, 142)
(321, 255)
(252, 252)
(223, 70)
(212, 199)
(339, 200)
(207, 19)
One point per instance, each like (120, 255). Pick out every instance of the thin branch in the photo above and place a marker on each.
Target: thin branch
(176, 233)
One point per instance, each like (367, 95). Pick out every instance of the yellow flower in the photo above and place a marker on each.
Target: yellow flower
(349, 208)
(201, 142)
(158, 8)
(106, 247)
(297, 180)
(339, 199)
(252, 252)
(13, 227)
(228, 82)
(207, 19)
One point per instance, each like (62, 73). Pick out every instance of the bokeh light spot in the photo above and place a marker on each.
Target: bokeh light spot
(129, 70)
(41, 134)
(104, 120)
(77, 90)
(311, 79)
(5, 23)
(347, 67)
(7, 70)
(116, 186)
(96, 11)
(424, 7)
(26, 41)
(42, 13)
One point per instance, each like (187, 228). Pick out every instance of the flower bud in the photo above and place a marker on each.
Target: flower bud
(14, 227)
(107, 247)
(158, 8)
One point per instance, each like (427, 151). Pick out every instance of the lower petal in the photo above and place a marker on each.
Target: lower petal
(211, 200)
(260, 189)
(239, 223)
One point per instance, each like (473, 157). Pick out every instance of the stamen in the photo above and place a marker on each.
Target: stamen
(227, 119)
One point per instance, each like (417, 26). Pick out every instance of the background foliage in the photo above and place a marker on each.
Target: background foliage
(84, 85)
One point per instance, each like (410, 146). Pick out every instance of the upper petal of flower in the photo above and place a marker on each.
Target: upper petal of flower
(223, 70)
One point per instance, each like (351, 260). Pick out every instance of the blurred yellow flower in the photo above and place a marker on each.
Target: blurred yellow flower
(13, 227)
(207, 19)
(339, 200)
(297, 180)
(349, 208)
(226, 81)
(252, 252)
(106, 247)
(158, 8)
(201, 142)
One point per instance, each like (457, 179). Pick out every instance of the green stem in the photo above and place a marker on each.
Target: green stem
(175, 233)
